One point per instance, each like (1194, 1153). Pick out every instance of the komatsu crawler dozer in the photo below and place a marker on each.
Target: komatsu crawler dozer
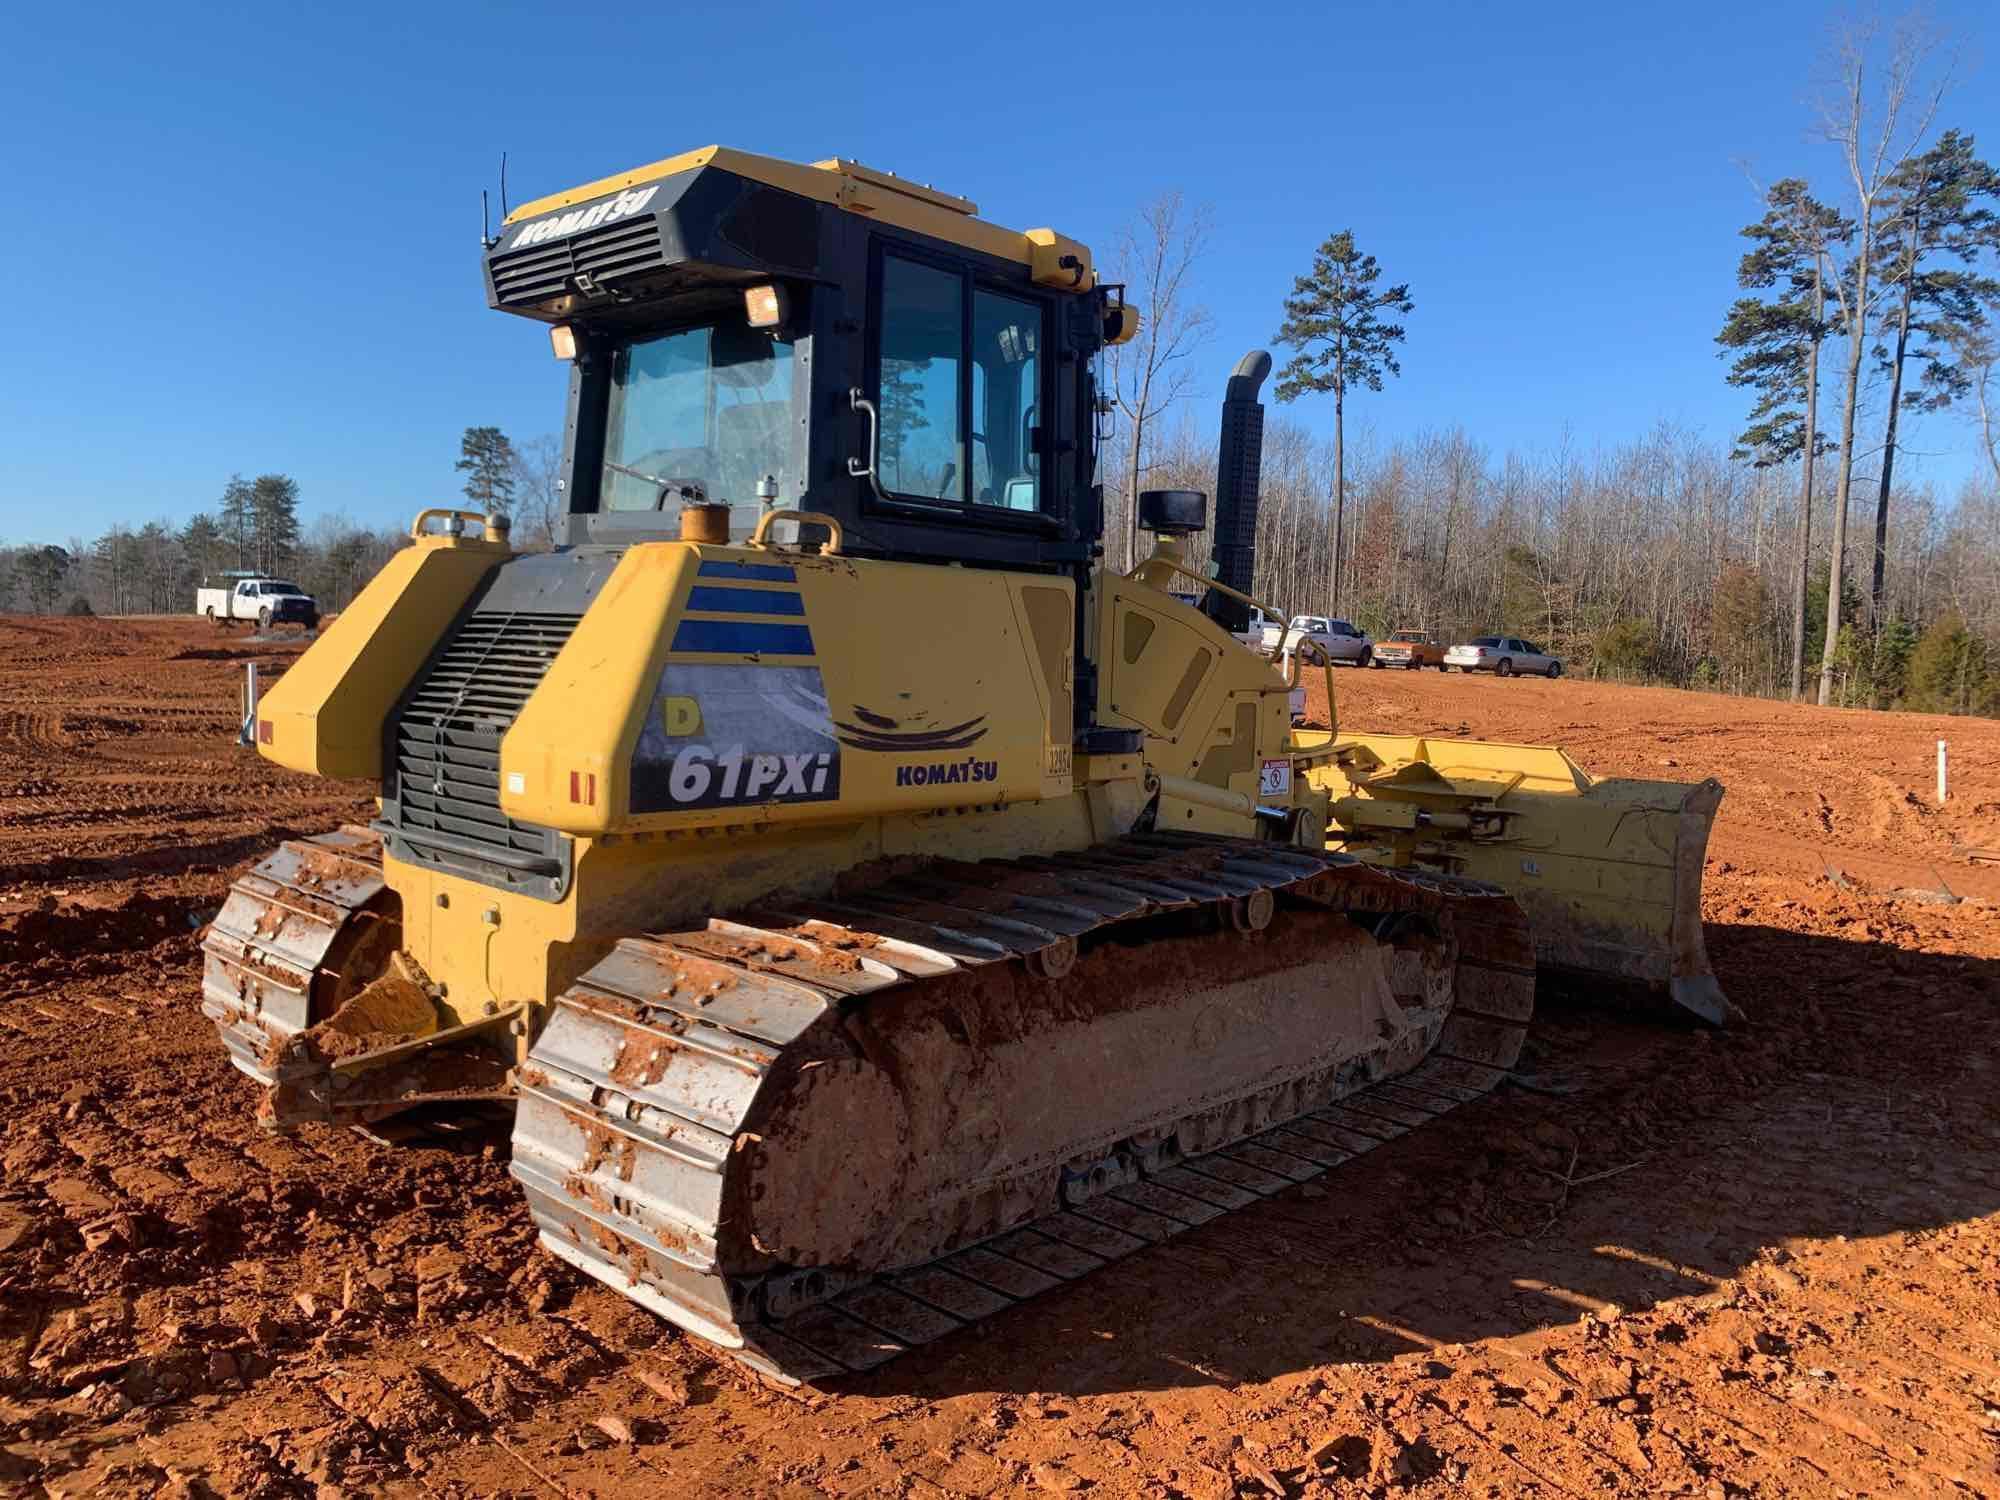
(879, 910)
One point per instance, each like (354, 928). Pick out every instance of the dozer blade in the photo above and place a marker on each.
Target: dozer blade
(844, 1126)
(1609, 869)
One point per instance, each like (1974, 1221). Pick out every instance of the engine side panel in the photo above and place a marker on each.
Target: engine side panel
(715, 686)
(325, 715)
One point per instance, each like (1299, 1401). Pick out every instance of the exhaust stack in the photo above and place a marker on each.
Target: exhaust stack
(1239, 464)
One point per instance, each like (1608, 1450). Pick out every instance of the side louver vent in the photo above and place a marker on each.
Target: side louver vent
(446, 782)
(526, 277)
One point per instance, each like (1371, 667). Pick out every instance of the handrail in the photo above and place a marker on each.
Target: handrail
(484, 520)
(1332, 712)
(1285, 629)
(1284, 619)
(810, 517)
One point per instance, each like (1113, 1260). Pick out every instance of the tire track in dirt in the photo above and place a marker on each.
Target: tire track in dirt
(1762, 1262)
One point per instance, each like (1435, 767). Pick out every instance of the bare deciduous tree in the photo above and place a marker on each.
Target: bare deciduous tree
(1155, 257)
(1876, 113)
(538, 492)
(1978, 354)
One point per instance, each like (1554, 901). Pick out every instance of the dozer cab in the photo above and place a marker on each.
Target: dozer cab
(878, 910)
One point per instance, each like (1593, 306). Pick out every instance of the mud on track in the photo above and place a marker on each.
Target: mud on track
(1761, 1262)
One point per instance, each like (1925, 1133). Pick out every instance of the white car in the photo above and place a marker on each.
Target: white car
(1337, 638)
(1503, 656)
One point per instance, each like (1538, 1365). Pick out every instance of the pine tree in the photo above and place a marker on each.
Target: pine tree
(1937, 205)
(1889, 663)
(274, 509)
(44, 571)
(1333, 322)
(1777, 346)
(902, 417)
(1948, 670)
(201, 542)
(1739, 627)
(1524, 604)
(486, 458)
(238, 511)
(1626, 648)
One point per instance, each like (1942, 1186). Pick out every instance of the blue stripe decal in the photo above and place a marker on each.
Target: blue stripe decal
(746, 601)
(749, 572)
(743, 636)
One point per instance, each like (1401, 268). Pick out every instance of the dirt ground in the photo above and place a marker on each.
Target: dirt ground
(1764, 1261)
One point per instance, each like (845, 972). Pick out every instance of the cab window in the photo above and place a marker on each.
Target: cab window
(958, 385)
(922, 332)
(1005, 384)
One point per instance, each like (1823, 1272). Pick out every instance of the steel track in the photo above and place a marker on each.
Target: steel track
(637, 1092)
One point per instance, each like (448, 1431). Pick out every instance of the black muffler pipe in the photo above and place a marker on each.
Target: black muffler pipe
(1239, 465)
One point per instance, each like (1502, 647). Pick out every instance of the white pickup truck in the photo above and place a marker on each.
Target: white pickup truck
(259, 600)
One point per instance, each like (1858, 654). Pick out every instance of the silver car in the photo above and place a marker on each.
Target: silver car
(1503, 656)
(1339, 640)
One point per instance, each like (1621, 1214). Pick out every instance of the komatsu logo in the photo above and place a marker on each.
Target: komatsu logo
(948, 773)
(610, 211)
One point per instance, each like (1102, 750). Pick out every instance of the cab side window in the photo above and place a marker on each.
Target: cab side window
(1006, 338)
(923, 334)
(958, 384)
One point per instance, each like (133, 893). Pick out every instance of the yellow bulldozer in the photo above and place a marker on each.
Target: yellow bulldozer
(877, 909)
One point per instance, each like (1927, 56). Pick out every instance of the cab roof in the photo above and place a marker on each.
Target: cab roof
(859, 190)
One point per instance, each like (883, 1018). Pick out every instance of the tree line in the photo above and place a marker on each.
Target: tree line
(1660, 559)
(1668, 557)
(155, 567)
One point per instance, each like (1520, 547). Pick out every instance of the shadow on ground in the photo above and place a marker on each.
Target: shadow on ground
(1857, 1098)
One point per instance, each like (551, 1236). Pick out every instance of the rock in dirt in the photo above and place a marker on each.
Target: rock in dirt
(1055, 1476)
(1611, 1382)
(80, 1198)
(15, 1226)
(669, 1388)
(1728, 1336)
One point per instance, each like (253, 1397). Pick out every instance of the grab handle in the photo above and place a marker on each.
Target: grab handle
(871, 470)
(493, 526)
(809, 517)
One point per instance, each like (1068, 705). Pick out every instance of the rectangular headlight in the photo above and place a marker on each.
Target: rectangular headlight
(764, 306)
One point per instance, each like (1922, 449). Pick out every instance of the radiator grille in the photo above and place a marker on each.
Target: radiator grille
(447, 738)
(525, 277)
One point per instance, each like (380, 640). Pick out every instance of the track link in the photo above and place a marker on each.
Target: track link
(295, 936)
(645, 1084)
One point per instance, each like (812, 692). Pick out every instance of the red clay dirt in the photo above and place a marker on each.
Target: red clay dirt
(1756, 1262)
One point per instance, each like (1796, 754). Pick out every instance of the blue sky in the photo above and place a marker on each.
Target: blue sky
(244, 238)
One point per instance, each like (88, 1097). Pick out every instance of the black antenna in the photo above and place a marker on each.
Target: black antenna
(485, 227)
(503, 187)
